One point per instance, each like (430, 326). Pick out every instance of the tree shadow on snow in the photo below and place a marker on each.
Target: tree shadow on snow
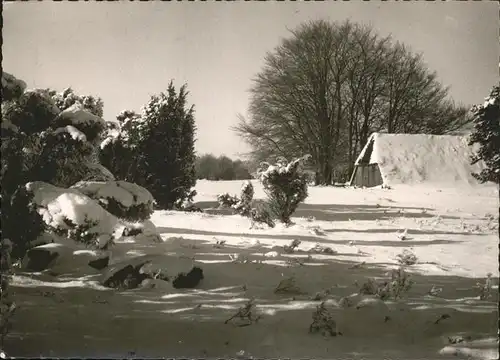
(341, 212)
(190, 321)
(312, 239)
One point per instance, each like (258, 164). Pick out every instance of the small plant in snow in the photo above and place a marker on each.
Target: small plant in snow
(239, 258)
(322, 295)
(323, 321)
(406, 258)
(288, 286)
(318, 249)
(289, 249)
(245, 312)
(403, 235)
(219, 244)
(285, 185)
(435, 291)
(485, 288)
(316, 230)
(401, 282)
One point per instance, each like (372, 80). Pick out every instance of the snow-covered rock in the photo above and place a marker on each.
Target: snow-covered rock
(122, 199)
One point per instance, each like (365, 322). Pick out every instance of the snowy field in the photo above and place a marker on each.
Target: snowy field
(453, 231)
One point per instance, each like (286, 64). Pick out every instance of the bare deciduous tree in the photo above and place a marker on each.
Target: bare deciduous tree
(327, 87)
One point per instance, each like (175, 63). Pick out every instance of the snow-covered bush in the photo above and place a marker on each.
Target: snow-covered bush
(32, 112)
(62, 158)
(20, 221)
(486, 133)
(485, 288)
(86, 122)
(122, 199)
(261, 215)
(67, 98)
(158, 148)
(70, 213)
(406, 258)
(399, 283)
(12, 88)
(227, 201)
(244, 205)
(285, 185)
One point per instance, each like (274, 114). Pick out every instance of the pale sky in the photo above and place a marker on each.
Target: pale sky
(126, 51)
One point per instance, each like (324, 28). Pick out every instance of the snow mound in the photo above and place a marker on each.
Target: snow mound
(119, 197)
(419, 158)
(74, 132)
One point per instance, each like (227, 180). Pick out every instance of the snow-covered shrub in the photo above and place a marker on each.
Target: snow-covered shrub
(32, 112)
(41, 143)
(63, 157)
(406, 258)
(485, 288)
(122, 199)
(79, 232)
(78, 117)
(399, 283)
(97, 172)
(67, 98)
(244, 205)
(20, 221)
(261, 215)
(323, 321)
(70, 213)
(12, 88)
(226, 200)
(486, 133)
(285, 185)
(158, 147)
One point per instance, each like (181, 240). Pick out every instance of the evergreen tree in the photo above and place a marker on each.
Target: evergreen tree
(487, 134)
(158, 147)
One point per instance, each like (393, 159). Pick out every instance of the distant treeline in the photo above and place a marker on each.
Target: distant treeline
(210, 167)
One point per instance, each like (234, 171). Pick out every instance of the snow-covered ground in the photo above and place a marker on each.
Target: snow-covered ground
(452, 231)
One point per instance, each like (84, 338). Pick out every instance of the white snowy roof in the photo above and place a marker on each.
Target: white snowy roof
(413, 158)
